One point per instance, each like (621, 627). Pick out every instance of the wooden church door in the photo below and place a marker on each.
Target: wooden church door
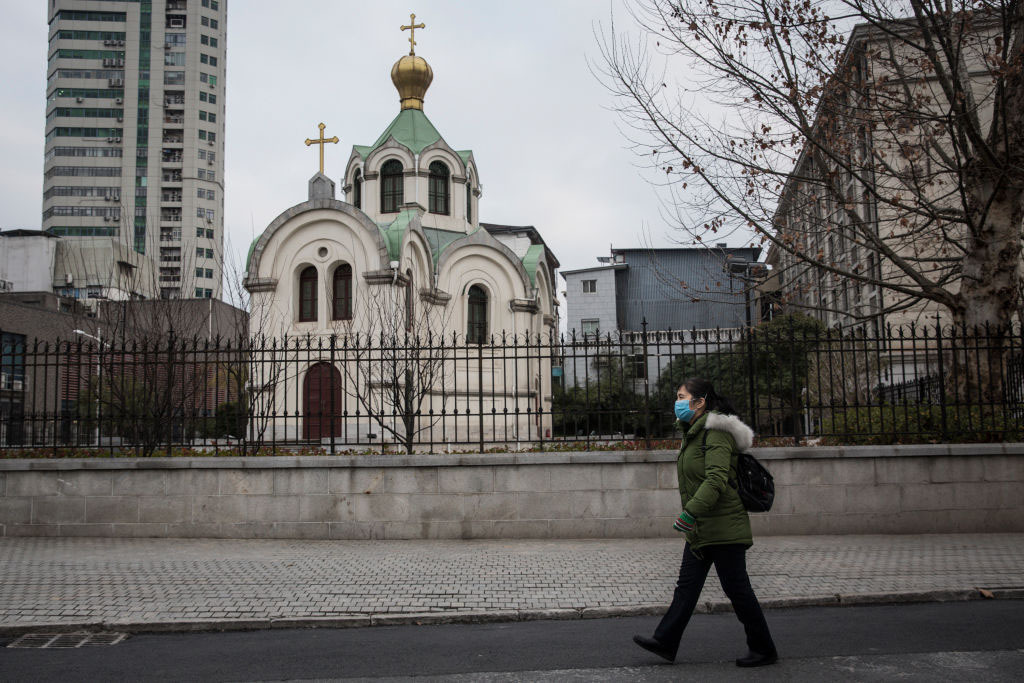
(321, 402)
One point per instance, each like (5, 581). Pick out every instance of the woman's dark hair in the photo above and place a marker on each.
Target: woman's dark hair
(698, 387)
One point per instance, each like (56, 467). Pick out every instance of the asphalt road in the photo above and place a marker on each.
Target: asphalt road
(967, 641)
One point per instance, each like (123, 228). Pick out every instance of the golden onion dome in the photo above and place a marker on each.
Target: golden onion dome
(412, 76)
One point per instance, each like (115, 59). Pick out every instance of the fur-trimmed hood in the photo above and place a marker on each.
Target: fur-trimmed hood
(731, 424)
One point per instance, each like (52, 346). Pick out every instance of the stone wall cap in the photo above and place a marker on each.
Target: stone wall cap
(495, 459)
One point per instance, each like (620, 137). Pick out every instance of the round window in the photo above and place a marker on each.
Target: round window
(322, 252)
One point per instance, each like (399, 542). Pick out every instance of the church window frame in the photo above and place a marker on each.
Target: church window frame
(357, 189)
(439, 188)
(469, 200)
(341, 292)
(392, 186)
(308, 286)
(477, 308)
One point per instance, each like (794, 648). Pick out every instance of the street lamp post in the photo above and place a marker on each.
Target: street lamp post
(99, 372)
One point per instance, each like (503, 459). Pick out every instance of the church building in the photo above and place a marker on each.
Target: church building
(403, 259)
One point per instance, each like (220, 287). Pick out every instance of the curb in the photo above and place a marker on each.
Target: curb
(504, 616)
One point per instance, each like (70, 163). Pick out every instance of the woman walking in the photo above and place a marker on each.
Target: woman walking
(716, 525)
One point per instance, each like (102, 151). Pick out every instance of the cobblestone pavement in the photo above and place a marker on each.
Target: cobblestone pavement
(159, 581)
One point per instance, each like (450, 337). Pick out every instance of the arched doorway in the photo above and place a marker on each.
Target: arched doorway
(323, 398)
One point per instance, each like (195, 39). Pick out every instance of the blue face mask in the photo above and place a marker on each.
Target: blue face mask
(683, 410)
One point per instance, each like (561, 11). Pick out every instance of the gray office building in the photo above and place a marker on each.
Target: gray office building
(678, 289)
(134, 165)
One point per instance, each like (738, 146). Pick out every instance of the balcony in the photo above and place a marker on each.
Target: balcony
(170, 197)
(174, 137)
(170, 216)
(171, 156)
(171, 175)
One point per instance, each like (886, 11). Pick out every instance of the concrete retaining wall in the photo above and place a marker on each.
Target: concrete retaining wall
(907, 489)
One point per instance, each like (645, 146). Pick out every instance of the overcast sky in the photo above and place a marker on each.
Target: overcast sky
(511, 82)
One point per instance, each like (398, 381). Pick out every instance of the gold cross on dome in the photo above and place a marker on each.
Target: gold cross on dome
(412, 32)
(321, 141)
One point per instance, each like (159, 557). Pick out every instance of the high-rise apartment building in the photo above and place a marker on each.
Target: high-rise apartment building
(134, 169)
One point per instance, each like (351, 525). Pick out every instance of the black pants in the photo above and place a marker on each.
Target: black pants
(731, 564)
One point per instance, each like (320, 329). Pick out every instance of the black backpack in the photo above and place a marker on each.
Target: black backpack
(753, 481)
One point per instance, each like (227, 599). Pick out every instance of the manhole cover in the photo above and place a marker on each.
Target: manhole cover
(66, 640)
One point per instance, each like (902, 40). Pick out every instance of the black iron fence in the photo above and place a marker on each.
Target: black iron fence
(791, 379)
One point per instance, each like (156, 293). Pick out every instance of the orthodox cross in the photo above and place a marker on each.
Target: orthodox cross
(412, 32)
(321, 141)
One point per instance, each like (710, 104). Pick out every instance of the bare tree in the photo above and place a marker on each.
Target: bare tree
(874, 144)
(394, 355)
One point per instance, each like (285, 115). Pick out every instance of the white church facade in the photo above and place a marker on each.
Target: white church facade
(390, 306)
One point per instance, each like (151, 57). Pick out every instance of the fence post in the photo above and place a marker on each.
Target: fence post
(797, 431)
(942, 377)
(647, 388)
(750, 377)
(480, 389)
(333, 389)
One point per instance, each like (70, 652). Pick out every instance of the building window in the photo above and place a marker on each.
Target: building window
(589, 327)
(307, 295)
(341, 298)
(469, 202)
(438, 190)
(638, 365)
(589, 286)
(357, 189)
(391, 190)
(476, 329)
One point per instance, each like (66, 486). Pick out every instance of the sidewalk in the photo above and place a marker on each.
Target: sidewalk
(160, 584)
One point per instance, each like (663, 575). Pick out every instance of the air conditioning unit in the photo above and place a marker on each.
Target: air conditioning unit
(119, 100)
(120, 82)
(69, 278)
(167, 46)
(210, 221)
(6, 285)
(120, 118)
(106, 219)
(120, 43)
(117, 139)
(209, 163)
(108, 62)
(176, 23)
(106, 43)
(116, 218)
(79, 100)
(210, 143)
(110, 139)
(18, 385)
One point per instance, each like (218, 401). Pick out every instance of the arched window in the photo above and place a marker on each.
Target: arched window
(469, 200)
(476, 329)
(307, 295)
(438, 191)
(410, 310)
(341, 296)
(391, 186)
(357, 189)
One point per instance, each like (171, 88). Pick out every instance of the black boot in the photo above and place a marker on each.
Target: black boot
(757, 659)
(652, 645)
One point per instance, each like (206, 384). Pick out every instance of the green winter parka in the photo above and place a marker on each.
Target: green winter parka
(704, 487)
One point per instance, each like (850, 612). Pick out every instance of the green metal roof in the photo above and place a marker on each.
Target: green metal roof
(530, 260)
(411, 128)
(395, 231)
(440, 240)
(248, 256)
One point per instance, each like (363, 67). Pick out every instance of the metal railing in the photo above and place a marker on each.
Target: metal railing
(792, 381)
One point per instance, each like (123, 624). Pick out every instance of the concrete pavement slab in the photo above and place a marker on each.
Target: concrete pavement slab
(155, 584)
